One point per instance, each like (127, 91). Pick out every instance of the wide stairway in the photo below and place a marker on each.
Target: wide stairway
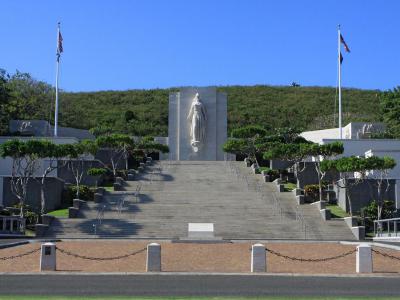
(175, 193)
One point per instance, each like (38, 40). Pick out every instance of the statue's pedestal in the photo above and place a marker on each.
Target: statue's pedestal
(179, 126)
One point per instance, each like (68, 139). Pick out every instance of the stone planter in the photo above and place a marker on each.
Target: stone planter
(72, 212)
(98, 197)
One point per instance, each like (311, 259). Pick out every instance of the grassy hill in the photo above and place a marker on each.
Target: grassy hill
(142, 112)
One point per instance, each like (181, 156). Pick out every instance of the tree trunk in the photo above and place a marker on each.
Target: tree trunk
(349, 201)
(42, 196)
(319, 181)
(77, 189)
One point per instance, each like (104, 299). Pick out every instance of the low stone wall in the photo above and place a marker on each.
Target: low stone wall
(53, 193)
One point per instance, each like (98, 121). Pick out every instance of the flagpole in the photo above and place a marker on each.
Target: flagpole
(57, 75)
(339, 85)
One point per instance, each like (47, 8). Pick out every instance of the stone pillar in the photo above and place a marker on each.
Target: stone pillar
(364, 259)
(153, 261)
(258, 258)
(48, 257)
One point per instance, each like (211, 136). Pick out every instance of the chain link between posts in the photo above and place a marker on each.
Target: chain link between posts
(385, 254)
(20, 255)
(69, 253)
(324, 259)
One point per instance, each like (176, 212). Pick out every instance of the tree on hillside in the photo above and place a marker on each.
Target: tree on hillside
(4, 101)
(30, 98)
(25, 163)
(390, 104)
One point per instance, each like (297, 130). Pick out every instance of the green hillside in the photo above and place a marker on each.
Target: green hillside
(274, 106)
(145, 112)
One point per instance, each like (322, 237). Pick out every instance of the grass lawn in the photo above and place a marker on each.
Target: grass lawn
(60, 213)
(336, 211)
(29, 232)
(289, 186)
(108, 188)
(183, 298)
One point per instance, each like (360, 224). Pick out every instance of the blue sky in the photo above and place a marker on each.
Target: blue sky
(113, 45)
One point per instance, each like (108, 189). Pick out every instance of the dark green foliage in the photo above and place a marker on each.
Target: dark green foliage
(248, 132)
(85, 193)
(312, 191)
(325, 150)
(97, 171)
(358, 164)
(390, 104)
(371, 211)
(145, 112)
(288, 152)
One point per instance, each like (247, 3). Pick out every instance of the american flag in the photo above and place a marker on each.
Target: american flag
(344, 43)
(59, 44)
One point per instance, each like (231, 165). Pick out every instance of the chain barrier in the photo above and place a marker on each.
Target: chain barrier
(312, 259)
(69, 253)
(20, 255)
(385, 254)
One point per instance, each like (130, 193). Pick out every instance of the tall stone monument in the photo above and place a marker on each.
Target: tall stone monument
(197, 124)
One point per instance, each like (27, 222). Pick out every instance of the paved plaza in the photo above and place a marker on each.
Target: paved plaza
(198, 257)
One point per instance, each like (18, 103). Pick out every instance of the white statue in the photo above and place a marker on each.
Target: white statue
(198, 117)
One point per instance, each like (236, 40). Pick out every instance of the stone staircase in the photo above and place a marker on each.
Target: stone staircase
(238, 203)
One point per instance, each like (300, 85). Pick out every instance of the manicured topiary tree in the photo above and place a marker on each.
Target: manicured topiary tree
(77, 156)
(246, 141)
(294, 152)
(25, 163)
(379, 170)
(97, 172)
(147, 145)
(120, 145)
(322, 153)
(358, 168)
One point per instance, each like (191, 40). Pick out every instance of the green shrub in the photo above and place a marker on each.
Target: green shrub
(369, 213)
(122, 173)
(97, 171)
(31, 217)
(85, 193)
(312, 191)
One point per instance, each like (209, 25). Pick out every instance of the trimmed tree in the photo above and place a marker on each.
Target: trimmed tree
(120, 145)
(288, 152)
(25, 163)
(348, 166)
(147, 145)
(380, 168)
(246, 141)
(77, 155)
(50, 153)
(322, 153)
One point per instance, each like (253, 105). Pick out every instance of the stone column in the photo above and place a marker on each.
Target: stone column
(364, 259)
(48, 257)
(258, 258)
(153, 261)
